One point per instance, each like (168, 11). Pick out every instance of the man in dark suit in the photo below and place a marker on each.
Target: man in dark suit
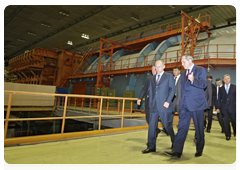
(177, 96)
(227, 105)
(193, 103)
(210, 110)
(161, 92)
(208, 95)
(144, 93)
(219, 115)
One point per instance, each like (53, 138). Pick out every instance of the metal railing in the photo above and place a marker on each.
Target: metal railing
(200, 52)
(66, 103)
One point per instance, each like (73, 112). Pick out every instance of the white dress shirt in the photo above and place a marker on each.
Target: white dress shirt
(190, 69)
(160, 76)
(177, 79)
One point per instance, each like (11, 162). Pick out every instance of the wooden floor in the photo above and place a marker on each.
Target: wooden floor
(125, 148)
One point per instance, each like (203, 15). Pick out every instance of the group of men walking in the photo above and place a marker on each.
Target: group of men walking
(191, 95)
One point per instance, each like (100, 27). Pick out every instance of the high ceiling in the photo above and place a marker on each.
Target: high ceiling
(30, 26)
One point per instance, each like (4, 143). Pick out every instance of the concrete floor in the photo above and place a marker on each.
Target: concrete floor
(123, 148)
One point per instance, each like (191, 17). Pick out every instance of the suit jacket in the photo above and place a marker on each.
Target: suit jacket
(144, 93)
(177, 97)
(216, 99)
(193, 93)
(161, 93)
(208, 93)
(214, 94)
(227, 102)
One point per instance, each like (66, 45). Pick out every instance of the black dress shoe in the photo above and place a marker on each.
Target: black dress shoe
(148, 150)
(197, 154)
(208, 131)
(173, 154)
(228, 138)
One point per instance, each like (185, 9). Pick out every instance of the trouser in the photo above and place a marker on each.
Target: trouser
(166, 119)
(210, 115)
(232, 117)
(184, 121)
(220, 120)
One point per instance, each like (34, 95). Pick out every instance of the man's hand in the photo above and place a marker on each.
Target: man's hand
(191, 77)
(138, 101)
(166, 105)
(218, 111)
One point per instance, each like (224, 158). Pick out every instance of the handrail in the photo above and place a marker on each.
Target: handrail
(64, 117)
(166, 58)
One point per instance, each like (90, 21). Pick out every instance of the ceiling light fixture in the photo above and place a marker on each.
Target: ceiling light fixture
(106, 27)
(63, 12)
(85, 36)
(70, 43)
(21, 40)
(31, 33)
(45, 24)
(135, 17)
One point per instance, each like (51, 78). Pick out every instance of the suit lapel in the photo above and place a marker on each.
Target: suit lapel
(184, 78)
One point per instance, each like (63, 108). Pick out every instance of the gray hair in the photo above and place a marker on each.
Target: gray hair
(160, 61)
(188, 57)
(226, 76)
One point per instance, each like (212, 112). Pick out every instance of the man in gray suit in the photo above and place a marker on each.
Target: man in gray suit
(177, 96)
(161, 92)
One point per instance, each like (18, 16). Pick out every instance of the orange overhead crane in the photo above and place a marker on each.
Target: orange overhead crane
(187, 26)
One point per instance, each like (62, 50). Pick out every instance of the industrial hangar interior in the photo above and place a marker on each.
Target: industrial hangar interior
(73, 74)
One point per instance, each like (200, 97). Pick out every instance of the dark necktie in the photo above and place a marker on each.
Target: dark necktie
(158, 79)
(187, 75)
(175, 78)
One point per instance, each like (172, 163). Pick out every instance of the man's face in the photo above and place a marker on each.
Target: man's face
(176, 72)
(218, 83)
(159, 67)
(154, 70)
(226, 80)
(210, 80)
(186, 63)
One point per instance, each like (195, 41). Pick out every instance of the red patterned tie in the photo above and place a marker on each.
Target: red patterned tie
(187, 75)
(158, 78)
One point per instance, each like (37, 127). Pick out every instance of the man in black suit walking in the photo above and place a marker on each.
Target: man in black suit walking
(219, 115)
(161, 92)
(212, 99)
(227, 105)
(144, 94)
